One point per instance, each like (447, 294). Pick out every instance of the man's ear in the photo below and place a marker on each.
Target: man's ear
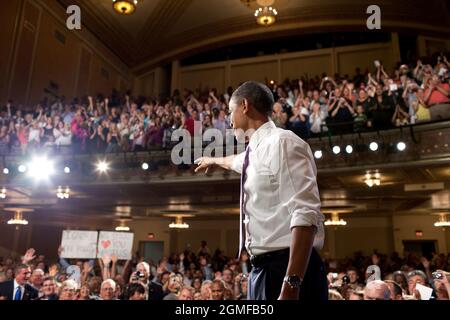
(245, 106)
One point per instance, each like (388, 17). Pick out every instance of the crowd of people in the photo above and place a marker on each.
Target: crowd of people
(390, 277)
(309, 107)
(203, 275)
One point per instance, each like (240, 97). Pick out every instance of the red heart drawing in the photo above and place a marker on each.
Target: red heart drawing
(106, 243)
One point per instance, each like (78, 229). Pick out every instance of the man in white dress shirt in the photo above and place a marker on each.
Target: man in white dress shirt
(281, 224)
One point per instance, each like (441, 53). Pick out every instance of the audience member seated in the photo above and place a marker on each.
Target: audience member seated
(377, 290)
(183, 277)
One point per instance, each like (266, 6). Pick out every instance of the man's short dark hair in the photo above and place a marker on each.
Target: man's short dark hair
(49, 278)
(20, 267)
(258, 96)
(135, 287)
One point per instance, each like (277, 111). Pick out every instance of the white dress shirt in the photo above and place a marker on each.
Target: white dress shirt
(22, 288)
(280, 191)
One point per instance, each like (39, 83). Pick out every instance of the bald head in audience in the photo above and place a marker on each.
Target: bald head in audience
(377, 290)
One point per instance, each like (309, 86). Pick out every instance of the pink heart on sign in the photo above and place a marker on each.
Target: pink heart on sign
(106, 243)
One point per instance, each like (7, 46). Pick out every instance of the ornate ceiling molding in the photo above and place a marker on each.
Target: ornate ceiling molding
(152, 45)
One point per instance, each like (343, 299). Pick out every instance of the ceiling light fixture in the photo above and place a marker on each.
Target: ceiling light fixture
(335, 221)
(125, 7)
(18, 219)
(266, 16)
(178, 224)
(442, 222)
(63, 193)
(372, 178)
(122, 227)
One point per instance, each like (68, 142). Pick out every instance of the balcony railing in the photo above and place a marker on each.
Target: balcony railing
(423, 144)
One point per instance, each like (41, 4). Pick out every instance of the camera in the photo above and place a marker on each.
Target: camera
(139, 275)
(345, 280)
(438, 276)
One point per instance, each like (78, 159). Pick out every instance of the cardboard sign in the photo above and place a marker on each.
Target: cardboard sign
(79, 244)
(118, 243)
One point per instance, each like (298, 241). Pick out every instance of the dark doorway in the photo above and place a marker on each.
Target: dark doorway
(408, 48)
(151, 250)
(420, 247)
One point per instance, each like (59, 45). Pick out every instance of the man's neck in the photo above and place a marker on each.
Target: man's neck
(257, 123)
(18, 284)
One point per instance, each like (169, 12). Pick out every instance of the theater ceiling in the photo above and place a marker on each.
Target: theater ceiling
(161, 30)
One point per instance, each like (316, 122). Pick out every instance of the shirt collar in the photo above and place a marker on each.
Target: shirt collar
(262, 132)
(17, 285)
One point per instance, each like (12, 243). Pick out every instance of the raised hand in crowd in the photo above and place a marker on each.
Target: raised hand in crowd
(29, 256)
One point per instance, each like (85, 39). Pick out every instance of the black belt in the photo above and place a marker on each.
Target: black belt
(261, 259)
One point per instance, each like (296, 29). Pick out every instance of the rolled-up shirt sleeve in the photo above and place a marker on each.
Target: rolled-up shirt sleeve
(298, 184)
(238, 163)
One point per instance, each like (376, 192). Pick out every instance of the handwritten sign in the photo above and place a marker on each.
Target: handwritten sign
(118, 243)
(79, 244)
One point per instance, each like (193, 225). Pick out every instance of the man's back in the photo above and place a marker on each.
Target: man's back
(280, 189)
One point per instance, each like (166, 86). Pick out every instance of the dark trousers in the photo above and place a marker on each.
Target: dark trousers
(266, 278)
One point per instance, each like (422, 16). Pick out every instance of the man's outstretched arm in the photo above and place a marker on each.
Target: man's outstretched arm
(233, 162)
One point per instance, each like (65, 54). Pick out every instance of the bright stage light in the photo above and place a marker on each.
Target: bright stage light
(401, 146)
(349, 149)
(102, 166)
(145, 166)
(67, 170)
(336, 149)
(318, 154)
(6, 171)
(22, 168)
(373, 146)
(41, 168)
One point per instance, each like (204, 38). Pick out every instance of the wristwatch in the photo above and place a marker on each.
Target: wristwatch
(293, 281)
